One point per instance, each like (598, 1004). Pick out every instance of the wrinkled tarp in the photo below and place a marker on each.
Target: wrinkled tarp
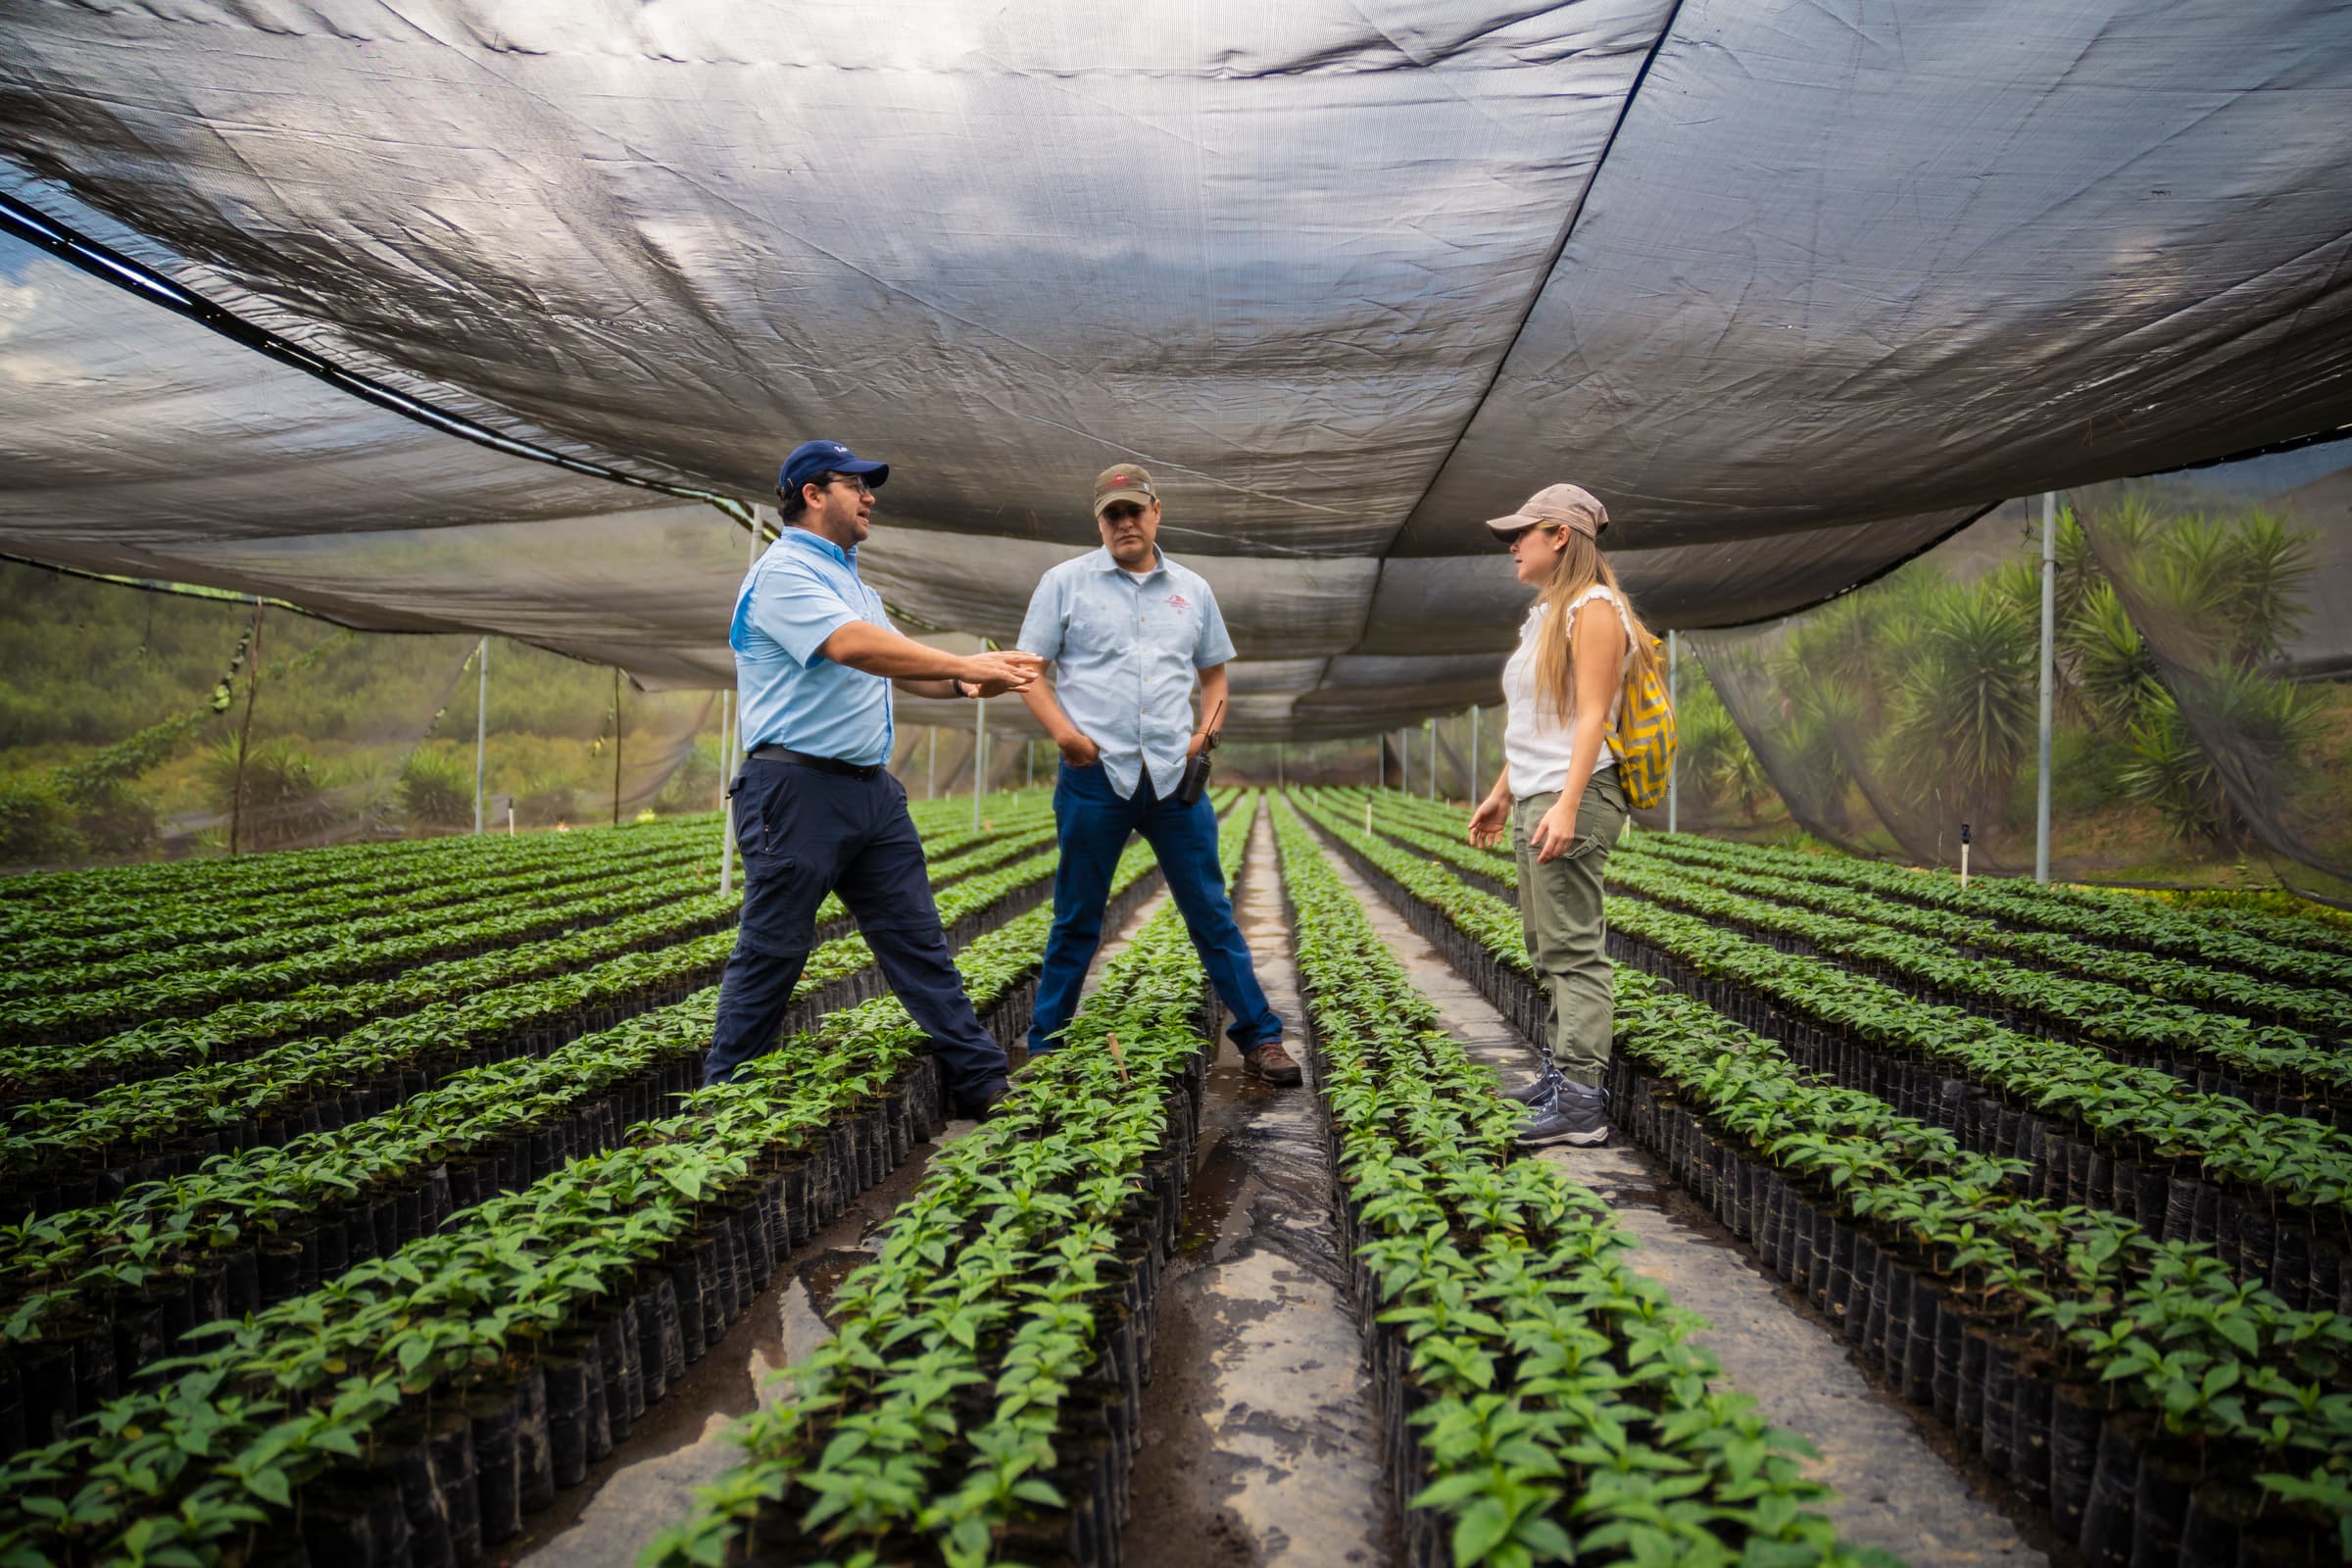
(1798, 288)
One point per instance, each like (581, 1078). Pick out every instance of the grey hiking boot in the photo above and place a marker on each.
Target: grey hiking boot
(1577, 1115)
(1537, 1089)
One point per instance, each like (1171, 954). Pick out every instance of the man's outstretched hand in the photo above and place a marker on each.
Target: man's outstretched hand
(995, 674)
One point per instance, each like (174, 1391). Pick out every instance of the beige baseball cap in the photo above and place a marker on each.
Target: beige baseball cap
(1123, 482)
(1555, 505)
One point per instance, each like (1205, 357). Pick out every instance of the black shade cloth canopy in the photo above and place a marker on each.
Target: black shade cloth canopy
(1797, 289)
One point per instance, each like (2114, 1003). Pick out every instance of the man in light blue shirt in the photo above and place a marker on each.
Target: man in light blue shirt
(817, 810)
(1128, 631)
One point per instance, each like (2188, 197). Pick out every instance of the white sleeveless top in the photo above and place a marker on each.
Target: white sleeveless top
(1535, 746)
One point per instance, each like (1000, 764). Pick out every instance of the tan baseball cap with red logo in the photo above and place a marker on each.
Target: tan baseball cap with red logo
(1123, 482)
(1557, 506)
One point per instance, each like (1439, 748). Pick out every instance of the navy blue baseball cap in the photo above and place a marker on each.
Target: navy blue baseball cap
(812, 458)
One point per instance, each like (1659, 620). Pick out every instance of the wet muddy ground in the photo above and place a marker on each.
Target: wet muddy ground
(1897, 1487)
(1258, 1440)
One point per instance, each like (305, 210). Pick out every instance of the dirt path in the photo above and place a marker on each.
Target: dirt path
(1896, 1487)
(1258, 1440)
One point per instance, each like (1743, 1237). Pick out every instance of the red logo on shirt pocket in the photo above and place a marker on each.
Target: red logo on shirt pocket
(1176, 601)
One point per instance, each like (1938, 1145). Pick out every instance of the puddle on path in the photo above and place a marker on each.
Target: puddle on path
(1258, 1440)
(1896, 1487)
(647, 1484)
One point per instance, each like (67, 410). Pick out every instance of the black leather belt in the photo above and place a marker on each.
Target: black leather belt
(824, 764)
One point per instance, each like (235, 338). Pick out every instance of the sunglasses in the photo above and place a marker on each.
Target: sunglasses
(1124, 511)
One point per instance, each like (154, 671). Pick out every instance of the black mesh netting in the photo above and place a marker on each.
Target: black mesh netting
(137, 724)
(2203, 700)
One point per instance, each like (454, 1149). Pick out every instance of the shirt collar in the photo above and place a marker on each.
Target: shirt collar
(809, 538)
(1105, 560)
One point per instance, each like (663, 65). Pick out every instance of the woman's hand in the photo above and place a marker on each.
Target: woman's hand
(1489, 822)
(1555, 832)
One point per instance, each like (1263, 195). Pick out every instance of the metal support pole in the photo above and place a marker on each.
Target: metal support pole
(1404, 760)
(617, 746)
(931, 770)
(1029, 757)
(481, 727)
(1475, 774)
(1431, 724)
(1279, 781)
(726, 802)
(729, 750)
(979, 748)
(253, 690)
(1674, 767)
(2050, 680)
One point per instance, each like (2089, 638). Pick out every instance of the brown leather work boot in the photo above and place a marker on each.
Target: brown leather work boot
(1270, 1063)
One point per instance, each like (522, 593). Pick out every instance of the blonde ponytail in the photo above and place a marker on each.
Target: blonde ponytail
(1578, 567)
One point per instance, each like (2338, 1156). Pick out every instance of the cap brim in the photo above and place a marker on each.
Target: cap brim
(1142, 498)
(1513, 524)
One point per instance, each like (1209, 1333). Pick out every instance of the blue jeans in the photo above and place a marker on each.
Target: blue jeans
(1093, 825)
(806, 833)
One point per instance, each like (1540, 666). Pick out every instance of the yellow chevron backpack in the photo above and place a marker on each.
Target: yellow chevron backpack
(1643, 738)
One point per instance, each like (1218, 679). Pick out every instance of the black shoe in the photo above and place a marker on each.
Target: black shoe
(977, 1107)
(1538, 1090)
(1577, 1115)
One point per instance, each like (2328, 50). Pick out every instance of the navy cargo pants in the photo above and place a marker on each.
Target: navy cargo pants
(807, 832)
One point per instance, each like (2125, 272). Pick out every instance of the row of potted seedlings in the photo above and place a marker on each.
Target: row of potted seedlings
(349, 922)
(94, 1015)
(74, 1153)
(1540, 1401)
(980, 1398)
(2273, 1068)
(175, 893)
(2111, 919)
(2269, 1191)
(105, 898)
(2326, 1012)
(2161, 1009)
(94, 1294)
(198, 1232)
(399, 892)
(2163, 1412)
(2077, 1345)
(411, 1409)
(242, 1028)
(414, 1406)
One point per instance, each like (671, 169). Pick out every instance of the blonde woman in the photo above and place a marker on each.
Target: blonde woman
(1558, 794)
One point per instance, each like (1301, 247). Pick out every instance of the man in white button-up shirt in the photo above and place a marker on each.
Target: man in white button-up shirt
(1127, 632)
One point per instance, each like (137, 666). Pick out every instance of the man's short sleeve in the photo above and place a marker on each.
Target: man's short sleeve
(1040, 628)
(1213, 647)
(799, 609)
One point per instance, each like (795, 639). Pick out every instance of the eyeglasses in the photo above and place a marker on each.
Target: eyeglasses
(853, 481)
(1124, 511)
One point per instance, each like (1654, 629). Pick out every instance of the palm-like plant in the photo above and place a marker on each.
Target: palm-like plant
(2112, 671)
(1963, 718)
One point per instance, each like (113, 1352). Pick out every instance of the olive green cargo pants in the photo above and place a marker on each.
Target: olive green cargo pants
(1561, 910)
